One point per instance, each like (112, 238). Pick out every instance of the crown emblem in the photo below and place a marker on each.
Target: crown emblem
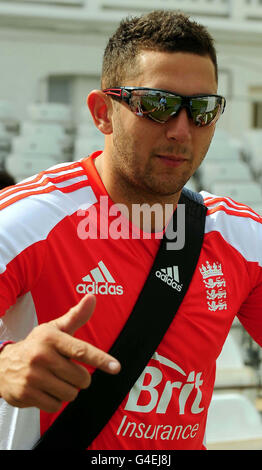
(211, 270)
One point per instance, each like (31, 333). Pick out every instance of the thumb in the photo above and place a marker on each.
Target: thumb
(77, 316)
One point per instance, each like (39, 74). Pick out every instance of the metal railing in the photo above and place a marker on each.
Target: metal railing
(237, 10)
(80, 3)
(199, 7)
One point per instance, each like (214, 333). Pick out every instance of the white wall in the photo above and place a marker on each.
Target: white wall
(29, 56)
(243, 61)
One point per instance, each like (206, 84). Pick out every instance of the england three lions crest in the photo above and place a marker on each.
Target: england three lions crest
(215, 284)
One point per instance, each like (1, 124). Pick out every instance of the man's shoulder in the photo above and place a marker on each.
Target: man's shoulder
(60, 188)
(228, 209)
(30, 209)
(236, 223)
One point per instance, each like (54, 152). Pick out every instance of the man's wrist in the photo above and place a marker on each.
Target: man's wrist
(4, 343)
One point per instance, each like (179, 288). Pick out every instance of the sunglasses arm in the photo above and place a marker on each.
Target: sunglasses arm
(120, 93)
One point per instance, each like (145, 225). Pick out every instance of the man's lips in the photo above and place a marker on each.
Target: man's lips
(172, 160)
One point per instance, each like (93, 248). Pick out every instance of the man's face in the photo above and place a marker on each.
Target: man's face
(154, 158)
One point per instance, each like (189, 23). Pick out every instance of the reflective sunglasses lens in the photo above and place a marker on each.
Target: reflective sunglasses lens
(159, 107)
(205, 110)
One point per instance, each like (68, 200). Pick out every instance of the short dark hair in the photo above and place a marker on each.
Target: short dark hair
(6, 179)
(159, 30)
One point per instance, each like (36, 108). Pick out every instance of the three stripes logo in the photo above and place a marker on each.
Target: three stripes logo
(170, 276)
(99, 281)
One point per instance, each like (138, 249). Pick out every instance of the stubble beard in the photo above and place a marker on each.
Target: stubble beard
(144, 182)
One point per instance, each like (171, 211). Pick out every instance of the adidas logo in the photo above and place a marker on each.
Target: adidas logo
(171, 277)
(99, 281)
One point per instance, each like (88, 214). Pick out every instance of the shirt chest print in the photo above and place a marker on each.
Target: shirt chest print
(215, 284)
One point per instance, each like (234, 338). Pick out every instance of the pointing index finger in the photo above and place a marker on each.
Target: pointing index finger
(99, 359)
(86, 353)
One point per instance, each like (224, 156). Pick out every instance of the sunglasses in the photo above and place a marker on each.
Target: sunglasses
(161, 105)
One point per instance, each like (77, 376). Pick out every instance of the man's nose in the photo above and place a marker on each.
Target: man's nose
(179, 127)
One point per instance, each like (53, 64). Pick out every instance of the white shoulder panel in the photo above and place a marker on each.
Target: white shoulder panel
(31, 217)
(237, 224)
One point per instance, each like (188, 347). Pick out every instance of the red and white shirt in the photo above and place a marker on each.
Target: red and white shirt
(57, 243)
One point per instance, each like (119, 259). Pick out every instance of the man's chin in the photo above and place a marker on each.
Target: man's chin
(167, 190)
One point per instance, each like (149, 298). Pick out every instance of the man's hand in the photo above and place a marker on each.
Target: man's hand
(39, 372)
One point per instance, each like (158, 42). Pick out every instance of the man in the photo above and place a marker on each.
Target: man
(49, 260)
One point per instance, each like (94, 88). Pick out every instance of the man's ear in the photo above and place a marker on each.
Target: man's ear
(100, 106)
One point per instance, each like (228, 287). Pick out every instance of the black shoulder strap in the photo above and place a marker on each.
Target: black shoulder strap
(83, 419)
